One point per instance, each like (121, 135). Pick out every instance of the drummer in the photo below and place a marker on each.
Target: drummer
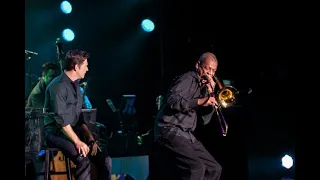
(50, 70)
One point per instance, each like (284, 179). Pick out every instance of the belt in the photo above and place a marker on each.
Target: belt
(186, 134)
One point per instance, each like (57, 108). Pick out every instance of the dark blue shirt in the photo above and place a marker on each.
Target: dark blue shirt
(180, 111)
(63, 99)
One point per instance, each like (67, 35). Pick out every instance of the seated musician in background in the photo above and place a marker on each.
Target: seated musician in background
(62, 128)
(104, 154)
(50, 70)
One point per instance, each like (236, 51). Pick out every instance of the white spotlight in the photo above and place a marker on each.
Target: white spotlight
(287, 161)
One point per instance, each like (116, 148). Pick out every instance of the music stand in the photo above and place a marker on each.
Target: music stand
(127, 104)
(90, 116)
(128, 122)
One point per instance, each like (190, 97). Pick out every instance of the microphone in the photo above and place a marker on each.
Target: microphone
(208, 81)
(111, 105)
(30, 52)
(205, 78)
(59, 46)
(58, 41)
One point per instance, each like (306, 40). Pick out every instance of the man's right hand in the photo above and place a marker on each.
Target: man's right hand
(82, 148)
(210, 102)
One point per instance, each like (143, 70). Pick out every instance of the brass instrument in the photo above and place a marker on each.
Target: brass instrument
(225, 97)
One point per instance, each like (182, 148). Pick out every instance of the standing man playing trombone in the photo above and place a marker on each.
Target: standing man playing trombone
(187, 101)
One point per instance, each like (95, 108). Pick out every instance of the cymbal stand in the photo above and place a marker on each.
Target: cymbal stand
(28, 59)
(28, 55)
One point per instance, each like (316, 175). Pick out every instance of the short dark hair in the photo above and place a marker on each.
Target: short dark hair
(74, 57)
(49, 65)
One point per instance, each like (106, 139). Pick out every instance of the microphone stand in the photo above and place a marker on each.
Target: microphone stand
(60, 53)
(28, 59)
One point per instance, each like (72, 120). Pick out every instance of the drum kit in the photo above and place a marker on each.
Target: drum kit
(34, 131)
(34, 116)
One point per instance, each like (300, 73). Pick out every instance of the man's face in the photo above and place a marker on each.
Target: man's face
(82, 69)
(208, 67)
(50, 75)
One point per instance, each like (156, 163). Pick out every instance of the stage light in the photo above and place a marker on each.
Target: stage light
(66, 7)
(147, 25)
(287, 161)
(68, 35)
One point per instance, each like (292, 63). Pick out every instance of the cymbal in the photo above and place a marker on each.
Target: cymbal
(36, 112)
(40, 114)
(35, 109)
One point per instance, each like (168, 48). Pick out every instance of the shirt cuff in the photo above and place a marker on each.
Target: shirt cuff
(193, 103)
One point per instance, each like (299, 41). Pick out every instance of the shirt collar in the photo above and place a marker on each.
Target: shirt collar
(66, 78)
(196, 76)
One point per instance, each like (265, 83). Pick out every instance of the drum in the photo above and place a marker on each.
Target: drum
(33, 130)
(34, 126)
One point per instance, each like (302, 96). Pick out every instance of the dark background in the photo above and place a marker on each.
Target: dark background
(249, 40)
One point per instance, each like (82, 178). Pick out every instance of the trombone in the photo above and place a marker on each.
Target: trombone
(225, 97)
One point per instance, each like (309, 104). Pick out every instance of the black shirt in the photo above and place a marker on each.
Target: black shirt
(64, 99)
(180, 110)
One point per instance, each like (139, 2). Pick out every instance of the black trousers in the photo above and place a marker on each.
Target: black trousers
(178, 158)
(103, 163)
(68, 149)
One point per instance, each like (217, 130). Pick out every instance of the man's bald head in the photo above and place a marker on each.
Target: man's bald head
(207, 64)
(207, 56)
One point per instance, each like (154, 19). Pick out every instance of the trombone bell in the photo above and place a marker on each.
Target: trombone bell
(226, 96)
